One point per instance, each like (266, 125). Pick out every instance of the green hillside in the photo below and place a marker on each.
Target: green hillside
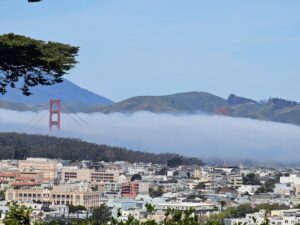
(20, 146)
(274, 109)
(190, 102)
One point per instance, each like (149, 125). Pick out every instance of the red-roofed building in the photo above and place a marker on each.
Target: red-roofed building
(30, 179)
(25, 184)
(9, 176)
(37, 176)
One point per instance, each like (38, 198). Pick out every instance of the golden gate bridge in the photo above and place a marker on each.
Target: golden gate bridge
(54, 110)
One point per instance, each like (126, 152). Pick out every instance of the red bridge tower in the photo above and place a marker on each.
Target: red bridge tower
(54, 114)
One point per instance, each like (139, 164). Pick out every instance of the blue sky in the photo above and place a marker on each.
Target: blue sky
(154, 47)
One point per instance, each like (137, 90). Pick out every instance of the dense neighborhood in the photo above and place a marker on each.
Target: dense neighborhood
(63, 190)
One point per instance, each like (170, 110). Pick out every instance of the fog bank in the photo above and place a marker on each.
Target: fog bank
(202, 136)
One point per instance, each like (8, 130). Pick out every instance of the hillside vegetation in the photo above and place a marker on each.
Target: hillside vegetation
(20, 146)
(273, 109)
(191, 102)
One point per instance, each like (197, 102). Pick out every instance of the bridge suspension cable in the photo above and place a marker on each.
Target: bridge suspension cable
(75, 114)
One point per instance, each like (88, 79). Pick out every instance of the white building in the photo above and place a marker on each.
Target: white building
(250, 219)
(282, 189)
(200, 208)
(292, 179)
(277, 217)
(250, 189)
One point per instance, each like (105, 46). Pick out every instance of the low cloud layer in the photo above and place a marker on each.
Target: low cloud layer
(191, 135)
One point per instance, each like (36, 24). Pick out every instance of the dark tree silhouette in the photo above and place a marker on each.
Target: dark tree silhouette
(175, 162)
(26, 62)
(101, 215)
(136, 177)
(20, 146)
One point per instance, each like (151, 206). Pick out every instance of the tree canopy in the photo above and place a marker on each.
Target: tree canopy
(175, 162)
(20, 146)
(251, 179)
(17, 214)
(75, 208)
(136, 177)
(27, 62)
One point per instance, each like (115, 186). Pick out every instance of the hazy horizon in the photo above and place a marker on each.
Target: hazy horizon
(202, 136)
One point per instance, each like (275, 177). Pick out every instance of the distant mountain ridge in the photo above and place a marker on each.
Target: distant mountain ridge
(274, 109)
(67, 91)
(190, 102)
(77, 99)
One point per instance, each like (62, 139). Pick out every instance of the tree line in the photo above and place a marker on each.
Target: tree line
(20, 146)
(21, 215)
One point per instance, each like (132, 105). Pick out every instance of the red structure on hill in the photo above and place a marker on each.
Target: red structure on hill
(222, 111)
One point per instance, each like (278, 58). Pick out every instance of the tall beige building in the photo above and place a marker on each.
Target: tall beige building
(89, 175)
(75, 174)
(105, 175)
(47, 166)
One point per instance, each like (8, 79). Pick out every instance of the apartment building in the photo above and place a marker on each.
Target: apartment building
(47, 166)
(130, 189)
(133, 188)
(277, 217)
(250, 189)
(293, 180)
(106, 175)
(235, 181)
(200, 208)
(75, 174)
(59, 195)
(89, 175)
(112, 187)
(251, 219)
(9, 176)
(30, 175)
